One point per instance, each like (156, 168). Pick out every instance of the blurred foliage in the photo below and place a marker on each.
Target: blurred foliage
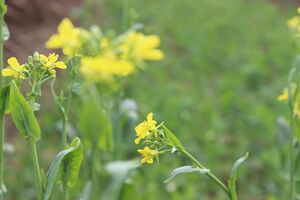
(225, 64)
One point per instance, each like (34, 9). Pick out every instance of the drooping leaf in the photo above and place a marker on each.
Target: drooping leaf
(172, 139)
(233, 176)
(95, 126)
(70, 161)
(185, 169)
(22, 114)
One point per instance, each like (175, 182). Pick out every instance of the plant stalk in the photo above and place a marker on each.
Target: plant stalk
(2, 118)
(36, 168)
(208, 174)
(291, 141)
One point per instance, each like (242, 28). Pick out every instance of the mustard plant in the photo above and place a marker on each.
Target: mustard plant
(98, 64)
(157, 139)
(3, 37)
(34, 73)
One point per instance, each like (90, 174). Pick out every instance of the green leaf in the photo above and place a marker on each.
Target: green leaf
(68, 160)
(4, 99)
(95, 126)
(5, 32)
(233, 176)
(185, 169)
(172, 139)
(22, 114)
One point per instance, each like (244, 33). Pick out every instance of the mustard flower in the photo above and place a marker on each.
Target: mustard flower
(296, 110)
(104, 67)
(143, 129)
(51, 62)
(284, 96)
(140, 47)
(147, 155)
(14, 69)
(67, 38)
(294, 22)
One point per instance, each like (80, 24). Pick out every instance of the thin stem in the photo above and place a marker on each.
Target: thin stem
(208, 174)
(291, 142)
(2, 119)
(36, 168)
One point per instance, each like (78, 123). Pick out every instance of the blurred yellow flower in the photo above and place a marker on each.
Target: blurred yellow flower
(293, 22)
(104, 67)
(144, 128)
(140, 47)
(147, 155)
(51, 62)
(67, 38)
(14, 69)
(296, 110)
(284, 96)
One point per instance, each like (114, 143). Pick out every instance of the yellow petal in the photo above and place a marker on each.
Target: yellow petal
(52, 57)
(150, 117)
(154, 54)
(13, 62)
(9, 72)
(152, 41)
(43, 58)
(65, 26)
(137, 140)
(54, 42)
(61, 65)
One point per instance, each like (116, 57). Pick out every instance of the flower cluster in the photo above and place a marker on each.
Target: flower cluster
(36, 70)
(294, 23)
(104, 57)
(154, 139)
(285, 97)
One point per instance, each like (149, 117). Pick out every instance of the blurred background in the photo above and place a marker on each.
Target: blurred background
(216, 89)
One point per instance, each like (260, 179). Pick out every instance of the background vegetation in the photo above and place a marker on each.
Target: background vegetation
(226, 62)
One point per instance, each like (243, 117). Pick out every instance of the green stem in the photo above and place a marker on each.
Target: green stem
(125, 15)
(208, 174)
(2, 119)
(36, 168)
(291, 142)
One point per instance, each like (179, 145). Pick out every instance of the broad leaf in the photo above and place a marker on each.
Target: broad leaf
(22, 114)
(172, 139)
(95, 126)
(70, 161)
(185, 169)
(233, 176)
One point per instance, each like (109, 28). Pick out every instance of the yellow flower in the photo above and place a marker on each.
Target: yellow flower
(296, 110)
(293, 22)
(284, 96)
(147, 155)
(51, 62)
(14, 69)
(67, 38)
(104, 67)
(140, 47)
(143, 129)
